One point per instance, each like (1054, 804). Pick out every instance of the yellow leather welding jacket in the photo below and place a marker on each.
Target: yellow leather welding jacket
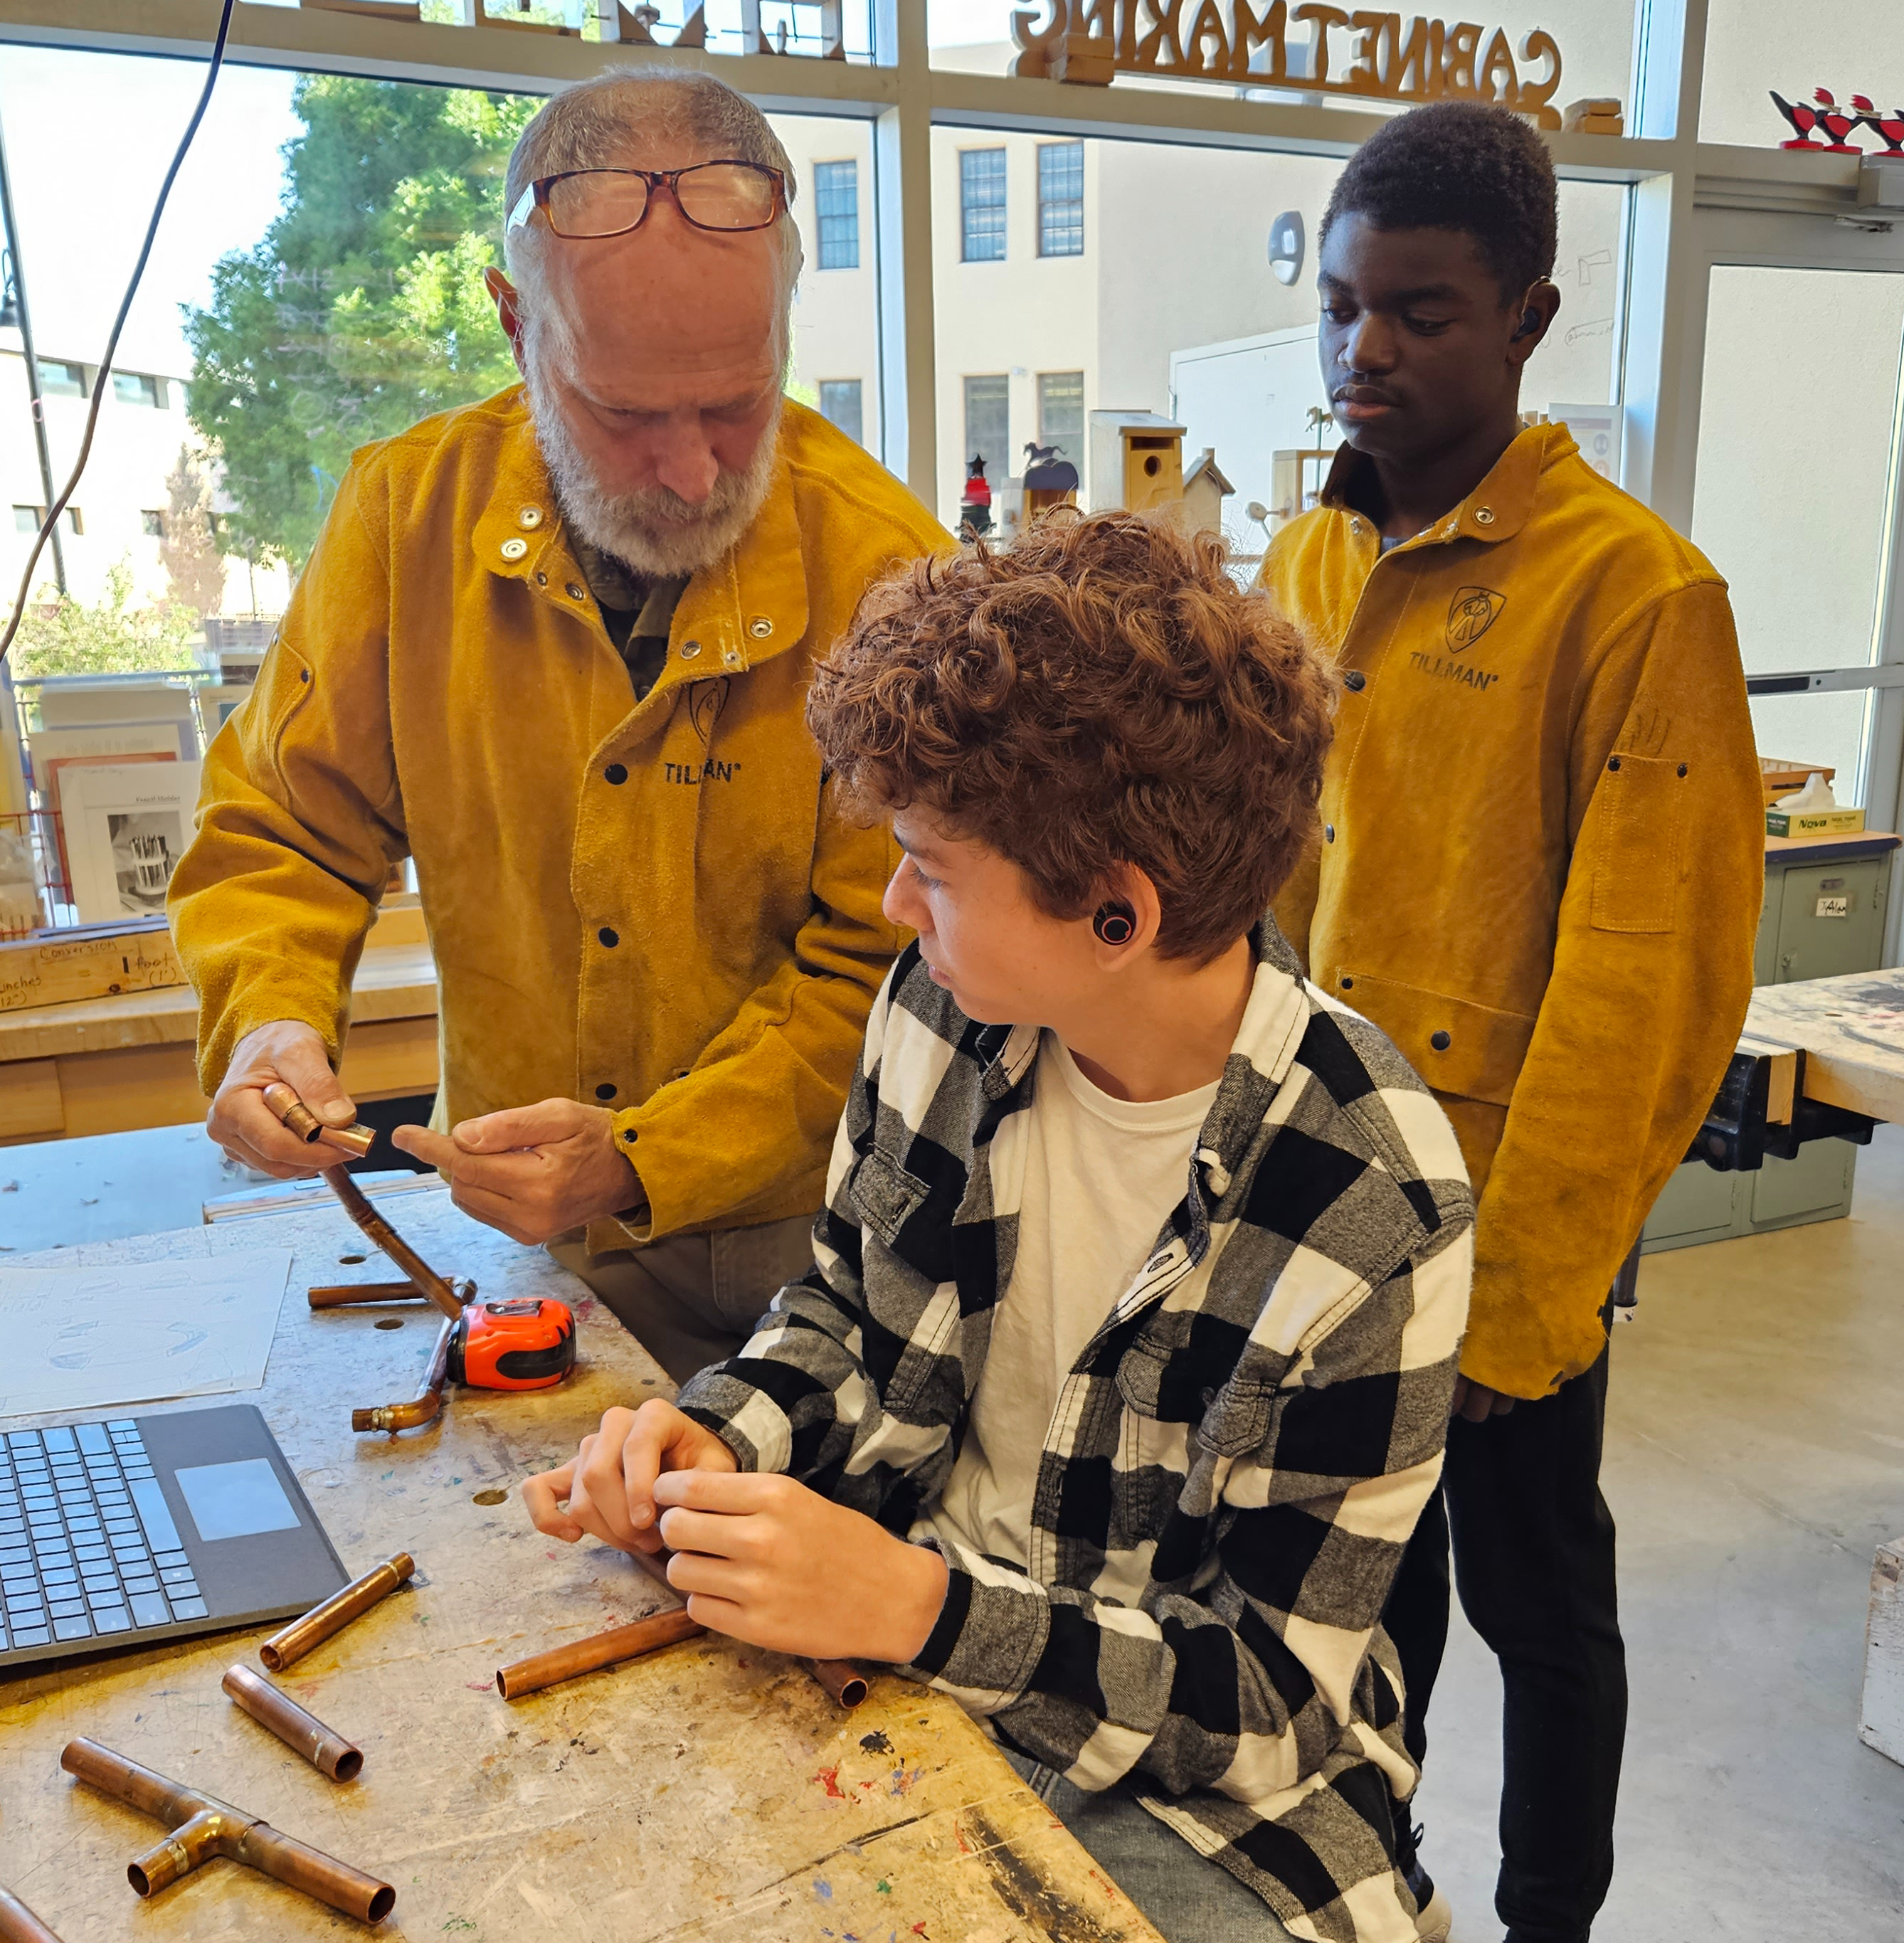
(1540, 860)
(652, 906)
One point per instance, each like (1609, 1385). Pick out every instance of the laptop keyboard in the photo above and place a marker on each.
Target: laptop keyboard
(88, 1546)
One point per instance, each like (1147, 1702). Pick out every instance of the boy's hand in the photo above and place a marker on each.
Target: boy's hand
(764, 1559)
(610, 1487)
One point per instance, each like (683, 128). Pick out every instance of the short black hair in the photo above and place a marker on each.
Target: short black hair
(1462, 165)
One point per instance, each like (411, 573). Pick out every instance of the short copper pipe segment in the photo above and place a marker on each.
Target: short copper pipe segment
(597, 1650)
(427, 1405)
(291, 1643)
(18, 1924)
(841, 1678)
(384, 1237)
(323, 1747)
(356, 1141)
(203, 1826)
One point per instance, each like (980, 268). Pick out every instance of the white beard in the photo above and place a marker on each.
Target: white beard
(655, 533)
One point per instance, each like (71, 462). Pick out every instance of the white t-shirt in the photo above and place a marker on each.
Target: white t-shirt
(1101, 1176)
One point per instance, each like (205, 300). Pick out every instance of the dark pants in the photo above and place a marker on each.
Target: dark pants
(1534, 1560)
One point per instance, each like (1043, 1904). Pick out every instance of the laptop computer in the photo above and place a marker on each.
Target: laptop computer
(140, 1529)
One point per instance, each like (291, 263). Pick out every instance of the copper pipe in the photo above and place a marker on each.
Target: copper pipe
(18, 1924)
(291, 1643)
(597, 1650)
(203, 1826)
(327, 1750)
(427, 1405)
(344, 1294)
(340, 1295)
(384, 1237)
(298, 1119)
(840, 1678)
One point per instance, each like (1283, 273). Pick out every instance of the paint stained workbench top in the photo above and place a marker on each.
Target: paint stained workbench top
(710, 1791)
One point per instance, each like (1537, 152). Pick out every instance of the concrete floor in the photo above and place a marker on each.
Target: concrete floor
(1754, 1461)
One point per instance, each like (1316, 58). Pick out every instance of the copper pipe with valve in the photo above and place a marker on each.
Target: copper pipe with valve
(18, 1924)
(203, 1826)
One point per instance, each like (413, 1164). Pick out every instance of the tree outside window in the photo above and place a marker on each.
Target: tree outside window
(835, 202)
(1061, 199)
(981, 205)
(988, 423)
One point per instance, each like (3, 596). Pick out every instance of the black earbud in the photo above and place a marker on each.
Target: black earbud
(1116, 923)
(1529, 323)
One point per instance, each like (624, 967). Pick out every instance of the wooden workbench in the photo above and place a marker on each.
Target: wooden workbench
(709, 1792)
(1851, 1031)
(109, 1065)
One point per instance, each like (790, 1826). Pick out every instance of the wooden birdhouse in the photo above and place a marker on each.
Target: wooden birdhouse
(1204, 490)
(1137, 461)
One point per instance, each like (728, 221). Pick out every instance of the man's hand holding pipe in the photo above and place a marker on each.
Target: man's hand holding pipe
(534, 1172)
(241, 1122)
(758, 1557)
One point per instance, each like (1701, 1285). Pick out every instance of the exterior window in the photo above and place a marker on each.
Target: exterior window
(840, 405)
(1061, 413)
(1061, 199)
(134, 387)
(981, 205)
(153, 525)
(988, 424)
(59, 380)
(26, 519)
(835, 197)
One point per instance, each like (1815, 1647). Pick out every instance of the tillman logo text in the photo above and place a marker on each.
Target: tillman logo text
(1470, 614)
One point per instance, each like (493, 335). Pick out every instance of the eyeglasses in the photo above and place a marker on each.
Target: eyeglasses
(583, 203)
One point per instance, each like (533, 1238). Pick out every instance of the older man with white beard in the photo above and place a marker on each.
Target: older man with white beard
(555, 647)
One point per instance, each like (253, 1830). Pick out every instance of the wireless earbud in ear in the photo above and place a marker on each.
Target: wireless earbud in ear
(1116, 923)
(1529, 323)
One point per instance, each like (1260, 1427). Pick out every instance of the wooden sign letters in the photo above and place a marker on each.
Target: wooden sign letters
(1249, 42)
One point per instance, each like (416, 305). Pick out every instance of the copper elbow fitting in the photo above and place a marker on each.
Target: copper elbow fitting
(424, 1408)
(203, 1826)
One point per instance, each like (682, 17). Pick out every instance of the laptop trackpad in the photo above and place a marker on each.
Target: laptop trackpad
(236, 1500)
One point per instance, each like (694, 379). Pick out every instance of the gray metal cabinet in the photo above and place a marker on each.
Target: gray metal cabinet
(1823, 917)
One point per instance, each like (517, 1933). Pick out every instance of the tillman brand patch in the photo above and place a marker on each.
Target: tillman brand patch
(1472, 611)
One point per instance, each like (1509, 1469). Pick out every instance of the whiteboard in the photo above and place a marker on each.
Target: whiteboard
(1248, 398)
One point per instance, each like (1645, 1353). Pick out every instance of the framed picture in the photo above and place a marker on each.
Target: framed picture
(126, 826)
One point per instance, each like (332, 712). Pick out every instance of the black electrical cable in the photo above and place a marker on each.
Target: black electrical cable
(118, 324)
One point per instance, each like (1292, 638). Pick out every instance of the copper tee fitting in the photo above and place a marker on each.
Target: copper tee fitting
(203, 1826)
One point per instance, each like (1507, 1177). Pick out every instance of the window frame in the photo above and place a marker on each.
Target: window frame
(1072, 145)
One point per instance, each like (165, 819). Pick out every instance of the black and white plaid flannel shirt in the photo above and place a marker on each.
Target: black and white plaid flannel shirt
(1235, 1463)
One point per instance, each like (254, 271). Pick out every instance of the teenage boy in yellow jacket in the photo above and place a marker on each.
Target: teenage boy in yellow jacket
(555, 647)
(1539, 871)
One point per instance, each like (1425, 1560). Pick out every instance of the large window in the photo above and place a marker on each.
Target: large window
(841, 404)
(981, 205)
(1061, 413)
(988, 425)
(836, 205)
(1792, 498)
(1061, 199)
(59, 379)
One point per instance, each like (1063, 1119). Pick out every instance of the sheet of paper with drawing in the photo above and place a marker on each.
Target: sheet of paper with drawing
(89, 1338)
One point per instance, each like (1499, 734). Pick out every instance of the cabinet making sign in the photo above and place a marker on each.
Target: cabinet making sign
(1315, 49)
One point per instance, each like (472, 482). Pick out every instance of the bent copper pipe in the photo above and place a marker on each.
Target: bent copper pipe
(384, 1237)
(18, 1924)
(203, 1826)
(323, 1747)
(427, 1405)
(840, 1678)
(597, 1650)
(298, 1119)
(291, 1643)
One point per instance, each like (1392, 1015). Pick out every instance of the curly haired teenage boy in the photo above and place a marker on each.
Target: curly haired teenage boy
(1124, 1366)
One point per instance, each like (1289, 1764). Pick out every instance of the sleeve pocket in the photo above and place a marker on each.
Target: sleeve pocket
(884, 1195)
(285, 681)
(1642, 806)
